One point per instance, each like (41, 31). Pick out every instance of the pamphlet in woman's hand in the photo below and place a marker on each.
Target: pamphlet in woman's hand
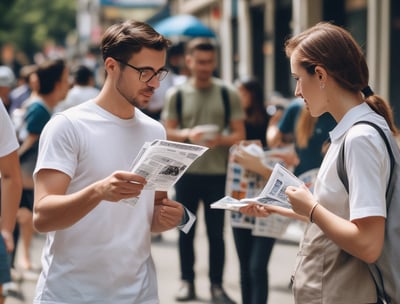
(272, 194)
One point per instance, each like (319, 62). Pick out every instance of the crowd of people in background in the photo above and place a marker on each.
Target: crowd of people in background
(30, 109)
(56, 147)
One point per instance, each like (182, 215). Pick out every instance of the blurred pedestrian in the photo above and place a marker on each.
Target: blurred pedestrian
(10, 194)
(346, 229)
(309, 135)
(83, 88)
(7, 83)
(98, 248)
(253, 251)
(197, 102)
(23, 90)
(53, 86)
(157, 101)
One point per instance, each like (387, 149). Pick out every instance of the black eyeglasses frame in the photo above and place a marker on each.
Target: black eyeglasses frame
(160, 74)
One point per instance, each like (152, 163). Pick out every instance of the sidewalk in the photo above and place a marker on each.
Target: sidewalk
(165, 254)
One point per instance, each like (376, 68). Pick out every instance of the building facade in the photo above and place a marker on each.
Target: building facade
(251, 34)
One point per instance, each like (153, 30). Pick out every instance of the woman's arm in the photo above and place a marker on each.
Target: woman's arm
(362, 238)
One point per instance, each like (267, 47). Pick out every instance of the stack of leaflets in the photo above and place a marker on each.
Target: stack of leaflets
(272, 194)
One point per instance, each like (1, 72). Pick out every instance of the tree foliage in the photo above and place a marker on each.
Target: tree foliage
(29, 24)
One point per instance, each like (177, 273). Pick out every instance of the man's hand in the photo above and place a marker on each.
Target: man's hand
(120, 185)
(167, 214)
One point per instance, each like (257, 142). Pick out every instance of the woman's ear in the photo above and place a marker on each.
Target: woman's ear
(321, 73)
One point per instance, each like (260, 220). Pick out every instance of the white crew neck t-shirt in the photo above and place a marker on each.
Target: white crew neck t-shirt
(105, 257)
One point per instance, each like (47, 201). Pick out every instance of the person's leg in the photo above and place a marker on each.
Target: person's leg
(243, 242)
(260, 254)
(2, 298)
(16, 234)
(25, 222)
(186, 193)
(5, 276)
(213, 190)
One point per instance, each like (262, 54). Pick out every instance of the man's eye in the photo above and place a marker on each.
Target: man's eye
(146, 72)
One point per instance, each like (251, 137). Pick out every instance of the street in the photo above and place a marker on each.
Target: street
(165, 256)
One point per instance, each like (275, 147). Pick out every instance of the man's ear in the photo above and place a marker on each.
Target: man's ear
(110, 64)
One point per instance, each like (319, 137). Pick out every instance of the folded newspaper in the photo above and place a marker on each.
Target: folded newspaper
(162, 163)
(272, 194)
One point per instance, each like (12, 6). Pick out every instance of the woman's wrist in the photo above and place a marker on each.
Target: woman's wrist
(311, 214)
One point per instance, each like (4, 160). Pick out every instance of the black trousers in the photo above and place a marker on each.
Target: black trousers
(190, 190)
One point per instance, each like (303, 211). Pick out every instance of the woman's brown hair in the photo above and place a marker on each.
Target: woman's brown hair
(334, 49)
(305, 128)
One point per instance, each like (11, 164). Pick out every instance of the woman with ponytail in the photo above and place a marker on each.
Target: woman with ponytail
(346, 229)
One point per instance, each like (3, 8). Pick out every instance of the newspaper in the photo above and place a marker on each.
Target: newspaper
(272, 194)
(162, 163)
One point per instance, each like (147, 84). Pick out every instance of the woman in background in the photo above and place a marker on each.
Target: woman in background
(253, 251)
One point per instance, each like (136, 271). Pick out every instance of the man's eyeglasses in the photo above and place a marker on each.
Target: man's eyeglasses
(147, 74)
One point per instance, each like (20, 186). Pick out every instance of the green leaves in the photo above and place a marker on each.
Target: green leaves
(29, 24)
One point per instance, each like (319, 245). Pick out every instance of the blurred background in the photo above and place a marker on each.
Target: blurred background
(250, 33)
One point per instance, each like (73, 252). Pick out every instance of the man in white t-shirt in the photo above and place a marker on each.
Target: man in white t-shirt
(98, 248)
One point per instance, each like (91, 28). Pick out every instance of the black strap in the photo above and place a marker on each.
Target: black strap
(179, 106)
(341, 166)
(225, 100)
(341, 169)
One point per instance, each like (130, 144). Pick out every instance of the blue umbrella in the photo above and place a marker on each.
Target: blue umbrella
(183, 25)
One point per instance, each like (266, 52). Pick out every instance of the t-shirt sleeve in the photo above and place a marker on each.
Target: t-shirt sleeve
(288, 121)
(36, 118)
(368, 166)
(8, 138)
(235, 105)
(169, 109)
(57, 146)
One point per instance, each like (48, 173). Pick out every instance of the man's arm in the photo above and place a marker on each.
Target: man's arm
(238, 133)
(174, 133)
(11, 189)
(194, 136)
(55, 210)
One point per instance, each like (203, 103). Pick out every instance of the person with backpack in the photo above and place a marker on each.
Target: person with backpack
(346, 236)
(204, 102)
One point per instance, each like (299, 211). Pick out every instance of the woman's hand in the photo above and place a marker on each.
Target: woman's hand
(254, 209)
(289, 158)
(251, 162)
(301, 199)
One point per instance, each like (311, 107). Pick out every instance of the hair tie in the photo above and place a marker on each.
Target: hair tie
(367, 91)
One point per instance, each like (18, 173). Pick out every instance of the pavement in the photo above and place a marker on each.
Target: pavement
(165, 255)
